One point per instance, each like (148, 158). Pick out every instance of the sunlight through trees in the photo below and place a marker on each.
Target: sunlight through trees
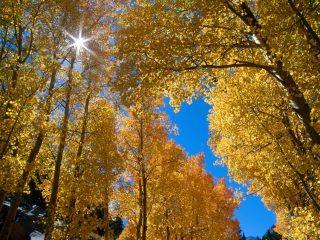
(84, 141)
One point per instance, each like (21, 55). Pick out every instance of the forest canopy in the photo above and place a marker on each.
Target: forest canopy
(82, 133)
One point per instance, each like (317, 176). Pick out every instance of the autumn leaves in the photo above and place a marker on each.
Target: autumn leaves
(257, 64)
(63, 120)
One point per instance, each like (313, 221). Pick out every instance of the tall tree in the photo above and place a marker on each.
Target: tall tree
(19, 82)
(179, 199)
(271, 235)
(142, 132)
(28, 26)
(60, 152)
(86, 185)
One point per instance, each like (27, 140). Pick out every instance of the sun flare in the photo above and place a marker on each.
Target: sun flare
(79, 42)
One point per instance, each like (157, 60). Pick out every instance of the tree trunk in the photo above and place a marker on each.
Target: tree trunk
(8, 224)
(139, 224)
(167, 233)
(4, 141)
(106, 218)
(298, 103)
(36, 194)
(3, 195)
(62, 142)
(144, 204)
(311, 33)
(167, 227)
(77, 171)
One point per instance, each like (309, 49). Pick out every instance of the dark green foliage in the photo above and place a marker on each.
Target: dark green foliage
(116, 226)
(271, 235)
(242, 236)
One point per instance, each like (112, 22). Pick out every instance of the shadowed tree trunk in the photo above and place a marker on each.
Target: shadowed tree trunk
(8, 224)
(139, 224)
(143, 184)
(144, 204)
(36, 194)
(106, 219)
(4, 141)
(3, 195)
(167, 227)
(298, 102)
(62, 142)
(77, 171)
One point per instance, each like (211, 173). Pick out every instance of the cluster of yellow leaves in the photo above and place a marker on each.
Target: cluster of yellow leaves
(254, 130)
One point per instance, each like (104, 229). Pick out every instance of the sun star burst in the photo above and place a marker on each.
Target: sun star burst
(79, 42)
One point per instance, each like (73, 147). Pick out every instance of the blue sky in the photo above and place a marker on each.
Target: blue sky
(192, 122)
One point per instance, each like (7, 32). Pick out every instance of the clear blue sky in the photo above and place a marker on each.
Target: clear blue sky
(192, 122)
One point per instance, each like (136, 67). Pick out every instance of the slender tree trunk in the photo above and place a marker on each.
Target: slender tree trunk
(142, 186)
(144, 205)
(4, 42)
(167, 227)
(141, 221)
(138, 232)
(311, 33)
(8, 224)
(297, 100)
(5, 138)
(14, 81)
(77, 171)
(4, 141)
(3, 195)
(62, 142)
(106, 219)
(167, 233)
(10, 218)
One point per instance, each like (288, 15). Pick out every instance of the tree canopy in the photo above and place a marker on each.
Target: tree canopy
(81, 84)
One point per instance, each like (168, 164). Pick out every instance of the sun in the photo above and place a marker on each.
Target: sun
(79, 42)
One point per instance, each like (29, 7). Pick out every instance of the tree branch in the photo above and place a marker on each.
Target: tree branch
(305, 25)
